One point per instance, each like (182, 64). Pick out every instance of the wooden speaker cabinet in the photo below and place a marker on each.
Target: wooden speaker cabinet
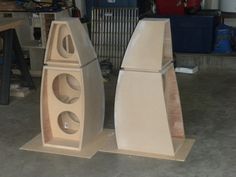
(148, 115)
(72, 93)
(72, 106)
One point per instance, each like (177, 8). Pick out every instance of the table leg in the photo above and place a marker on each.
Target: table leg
(27, 79)
(6, 68)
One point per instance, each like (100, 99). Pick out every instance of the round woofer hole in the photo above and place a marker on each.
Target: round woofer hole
(68, 122)
(66, 88)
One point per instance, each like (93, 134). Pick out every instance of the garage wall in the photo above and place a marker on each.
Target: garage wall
(230, 22)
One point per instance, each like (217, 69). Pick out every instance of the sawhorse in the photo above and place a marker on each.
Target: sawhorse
(11, 45)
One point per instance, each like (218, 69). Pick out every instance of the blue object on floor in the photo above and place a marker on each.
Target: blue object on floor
(223, 39)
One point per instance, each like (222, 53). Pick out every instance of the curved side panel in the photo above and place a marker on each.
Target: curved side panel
(141, 120)
(145, 51)
(94, 102)
(167, 49)
(44, 113)
(82, 42)
(173, 103)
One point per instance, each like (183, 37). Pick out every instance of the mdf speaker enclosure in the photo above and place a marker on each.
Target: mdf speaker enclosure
(72, 106)
(148, 114)
(72, 93)
(72, 102)
(150, 47)
(69, 45)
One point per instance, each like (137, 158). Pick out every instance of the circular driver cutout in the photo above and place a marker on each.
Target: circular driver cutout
(66, 88)
(68, 122)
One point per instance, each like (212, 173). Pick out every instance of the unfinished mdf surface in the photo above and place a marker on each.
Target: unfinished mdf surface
(72, 106)
(148, 112)
(69, 44)
(87, 152)
(72, 101)
(181, 154)
(148, 115)
(72, 93)
(150, 47)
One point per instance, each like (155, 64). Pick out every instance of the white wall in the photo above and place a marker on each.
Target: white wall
(230, 22)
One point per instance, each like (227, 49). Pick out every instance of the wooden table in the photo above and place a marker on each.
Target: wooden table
(7, 24)
(11, 46)
(10, 6)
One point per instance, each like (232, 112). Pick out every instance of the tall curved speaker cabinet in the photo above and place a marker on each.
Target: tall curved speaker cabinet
(72, 92)
(148, 115)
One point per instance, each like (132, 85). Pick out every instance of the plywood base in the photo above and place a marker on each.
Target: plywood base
(181, 154)
(87, 152)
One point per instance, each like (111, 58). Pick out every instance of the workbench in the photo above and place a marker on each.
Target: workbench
(9, 6)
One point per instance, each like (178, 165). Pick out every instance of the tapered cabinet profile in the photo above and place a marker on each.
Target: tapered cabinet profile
(72, 106)
(148, 115)
(72, 93)
(68, 45)
(150, 47)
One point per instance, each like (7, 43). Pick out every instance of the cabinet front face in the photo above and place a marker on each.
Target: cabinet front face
(62, 107)
(69, 45)
(72, 106)
(61, 47)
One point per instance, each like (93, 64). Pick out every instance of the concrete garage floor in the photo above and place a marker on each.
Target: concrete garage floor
(209, 108)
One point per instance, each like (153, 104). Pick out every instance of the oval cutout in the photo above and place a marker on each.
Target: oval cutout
(66, 88)
(68, 122)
